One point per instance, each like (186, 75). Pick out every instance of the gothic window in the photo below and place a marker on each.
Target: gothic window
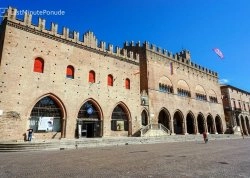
(91, 76)
(165, 88)
(38, 65)
(182, 92)
(204, 97)
(239, 105)
(70, 72)
(234, 104)
(46, 116)
(213, 99)
(119, 119)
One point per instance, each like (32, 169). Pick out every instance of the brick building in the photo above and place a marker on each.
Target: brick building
(183, 96)
(236, 103)
(62, 86)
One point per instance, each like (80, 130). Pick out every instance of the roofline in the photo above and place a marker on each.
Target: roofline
(230, 86)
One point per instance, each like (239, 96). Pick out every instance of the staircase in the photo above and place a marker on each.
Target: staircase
(154, 130)
(41, 145)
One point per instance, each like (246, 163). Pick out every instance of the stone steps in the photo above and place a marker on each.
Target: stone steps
(39, 145)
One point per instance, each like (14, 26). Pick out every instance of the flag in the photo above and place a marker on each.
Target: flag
(218, 52)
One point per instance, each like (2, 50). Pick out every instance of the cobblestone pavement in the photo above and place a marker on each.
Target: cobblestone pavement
(223, 158)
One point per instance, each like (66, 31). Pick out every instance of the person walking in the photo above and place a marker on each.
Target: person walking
(205, 137)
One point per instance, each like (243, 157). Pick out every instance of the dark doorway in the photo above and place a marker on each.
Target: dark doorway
(178, 123)
(247, 124)
(89, 123)
(201, 124)
(144, 118)
(210, 124)
(218, 125)
(237, 121)
(243, 126)
(190, 124)
(163, 119)
(90, 129)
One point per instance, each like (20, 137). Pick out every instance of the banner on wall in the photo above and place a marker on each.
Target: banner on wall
(45, 123)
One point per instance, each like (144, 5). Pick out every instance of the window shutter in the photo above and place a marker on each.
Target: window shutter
(38, 65)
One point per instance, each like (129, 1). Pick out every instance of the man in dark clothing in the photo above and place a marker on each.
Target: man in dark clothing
(30, 131)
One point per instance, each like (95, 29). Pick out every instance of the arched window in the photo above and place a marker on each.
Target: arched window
(46, 116)
(70, 72)
(110, 80)
(119, 119)
(91, 76)
(38, 65)
(127, 83)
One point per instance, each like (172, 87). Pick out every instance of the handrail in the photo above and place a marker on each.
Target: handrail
(162, 127)
(145, 129)
(158, 126)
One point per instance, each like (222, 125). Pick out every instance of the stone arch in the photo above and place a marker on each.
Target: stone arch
(210, 124)
(45, 107)
(164, 118)
(237, 121)
(96, 104)
(200, 89)
(165, 80)
(89, 119)
(247, 124)
(243, 125)
(183, 85)
(183, 89)
(212, 96)
(218, 124)
(165, 84)
(212, 93)
(144, 117)
(178, 122)
(121, 113)
(191, 124)
(201, 123)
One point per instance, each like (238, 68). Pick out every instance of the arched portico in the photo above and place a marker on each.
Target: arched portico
(164, 118)
(48, 115)
(210, 124)
(218, 124)
(178, 123)
(190, 122)
(89, 120)
(201, 123)
(247, 124)
(243, 125)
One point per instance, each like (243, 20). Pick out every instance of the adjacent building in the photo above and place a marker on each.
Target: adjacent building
(236, 103)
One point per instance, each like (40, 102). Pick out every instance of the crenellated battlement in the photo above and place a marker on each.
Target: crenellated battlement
(183, 57)
(89, 41)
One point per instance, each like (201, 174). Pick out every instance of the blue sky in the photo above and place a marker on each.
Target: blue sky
(196, 25)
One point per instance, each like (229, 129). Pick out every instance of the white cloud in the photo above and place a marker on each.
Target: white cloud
(224, 81)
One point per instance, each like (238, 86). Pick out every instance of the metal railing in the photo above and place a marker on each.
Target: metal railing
(158, 126)
(165, 129)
